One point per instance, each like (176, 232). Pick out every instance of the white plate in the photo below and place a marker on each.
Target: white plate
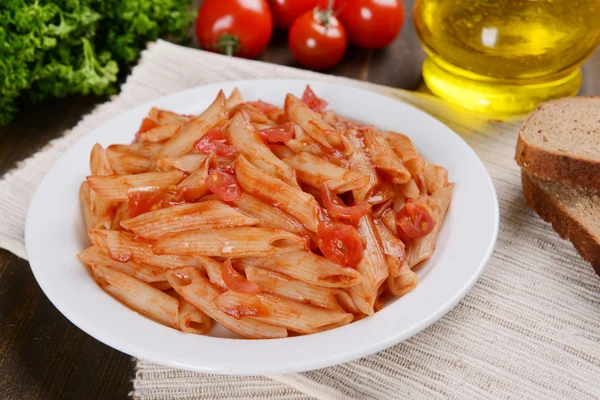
(54, 234)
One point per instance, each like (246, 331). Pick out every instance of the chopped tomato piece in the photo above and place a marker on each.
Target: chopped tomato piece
(237, 282)
(310, 99)
(214, 142)
(415, 219)
(337, 209)
(340, 243)
(263, 106)
(223, 184)
(143, 201)
(281, 133)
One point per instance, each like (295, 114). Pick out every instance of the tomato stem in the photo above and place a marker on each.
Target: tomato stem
(228, 44)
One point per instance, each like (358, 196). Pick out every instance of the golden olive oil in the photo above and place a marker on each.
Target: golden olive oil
(505, 56)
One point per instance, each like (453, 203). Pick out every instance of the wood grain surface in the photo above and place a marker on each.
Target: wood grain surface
(43, 355)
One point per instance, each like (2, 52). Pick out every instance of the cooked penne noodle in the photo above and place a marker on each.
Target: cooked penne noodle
(435, 177)
(122, 214)
(185, 217)
(116, 188)
(410, 190)
(294, 201)
(281, 311)
(124, 246)
(146, 273)
(185, 138)
(307, 267)
(405, 148)
(230, 242)
(198, 291)
(393, 248)
(160, 134)
(167, 117)
(192, 320)
(99, 164)
(102, 210)
(242, 135)
(360, 162)
(127, 164)
(84, 200)
(294, 289)
(314, 125)
(234, 99)
(138, 295)
(388, 218)
(281, 151)
(188, 163)
(373, 267)
(404, 282)
(213, 269)
(399, 199)
(303, 143)
(269, 216)
(194, 187)
(421, 249)
(316, 172)
(384, 157)
(146, 150)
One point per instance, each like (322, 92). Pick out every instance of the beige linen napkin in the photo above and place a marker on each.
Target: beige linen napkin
(530, 328)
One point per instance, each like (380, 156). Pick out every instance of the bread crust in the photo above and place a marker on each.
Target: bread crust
(550, 210)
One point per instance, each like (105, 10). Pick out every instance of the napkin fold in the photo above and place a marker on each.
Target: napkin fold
(530, 328)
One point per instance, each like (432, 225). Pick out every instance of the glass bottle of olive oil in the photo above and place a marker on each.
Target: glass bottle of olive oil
(505, 56)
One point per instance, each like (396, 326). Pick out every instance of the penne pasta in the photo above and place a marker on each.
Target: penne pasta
(274, 282)
(242, 135)
(164, 117)
(360, 162)
(230, 242)
(384, 157)
(316, 172)
(127, 164)
(146, 150)
(213, 269)
(234, 99)
(404, 282)
(269, 216)
(281, 151)
(405, 148)
(409, 190)
(435, 177)
(116, 188)
(393, 249)
(306, 267)
(388, 218)
(99, 164)
(185, 217)
(102, 210)
(93, 256)
(192, 320)
(281, 311)
(421, 249)
(183, 141)
(188, 163)
(138, 295)
(194, 187)
(121, 214)
(124, 246)
(84, 200)
(198, 291)
(160, 134)
(292, 200)
(314, 125)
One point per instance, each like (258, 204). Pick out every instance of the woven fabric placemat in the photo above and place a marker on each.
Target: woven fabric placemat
(530, 328)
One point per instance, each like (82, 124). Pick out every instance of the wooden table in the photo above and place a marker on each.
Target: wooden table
(43, 355)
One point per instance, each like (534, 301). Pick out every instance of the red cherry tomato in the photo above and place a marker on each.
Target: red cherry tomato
(415, 219)
(143, 201)
(337, 209)
(240, 28)
(214, 141)
(340, 243)
(317, 39)
(285, 12)
(237, 282)
(224, 185)
(281, 133)
(310, 99)
(371, 24)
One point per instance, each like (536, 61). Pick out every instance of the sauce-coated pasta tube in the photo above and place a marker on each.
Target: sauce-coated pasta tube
(124, 246)
(269, 216)
(146, 150)
(393, 248)
(167, 117)
(160, 134)
(197, 290)
(307, 267)
(192, 320)
(406, 150)
(384, 157)
(117, 187)
(360, 162)
(231, 242)
(102, 209)
(188, 163)
(292, 200)
(316, 171)
(138, 295)
(281, 311)
(186, 217)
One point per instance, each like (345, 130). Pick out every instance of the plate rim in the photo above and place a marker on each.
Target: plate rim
(296, 366)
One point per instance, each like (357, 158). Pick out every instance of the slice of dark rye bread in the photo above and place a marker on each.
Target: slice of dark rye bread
(560, 141)
(573, 212)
